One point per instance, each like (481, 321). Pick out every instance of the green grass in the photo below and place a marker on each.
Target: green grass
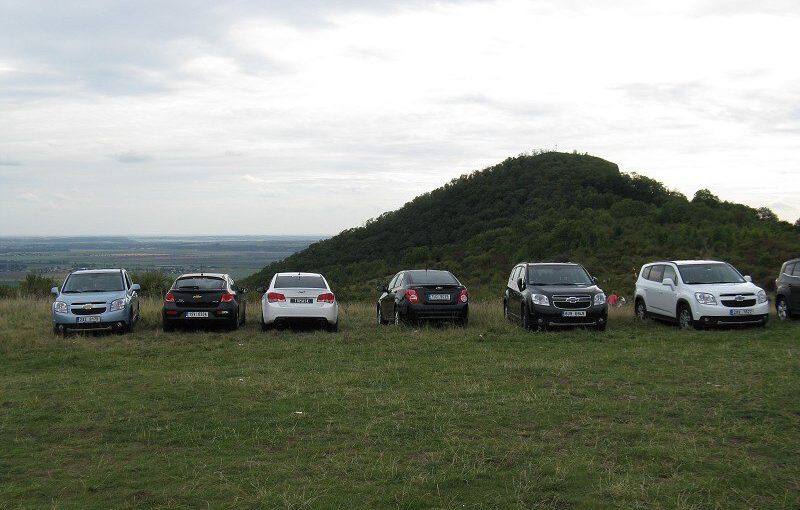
(642, 416)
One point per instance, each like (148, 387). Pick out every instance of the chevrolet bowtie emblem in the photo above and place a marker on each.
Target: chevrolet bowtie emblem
(197, 296)
(572, 300)
(739, 298)
(87, 306)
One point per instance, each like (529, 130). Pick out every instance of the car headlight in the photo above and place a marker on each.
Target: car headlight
(60, 307)
(118, 304)
(600, 299)
(704, 298)
(540, 299)
(761, 296)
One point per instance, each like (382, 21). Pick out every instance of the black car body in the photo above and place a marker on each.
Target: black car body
(423, 294)
(543, 295)
(204, 298)
(787, 290)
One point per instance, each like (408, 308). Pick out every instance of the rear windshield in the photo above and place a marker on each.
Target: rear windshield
(93, 282)
(556, 274)
(295, 281)
(430, 277)
(200, 283)
(709, 273)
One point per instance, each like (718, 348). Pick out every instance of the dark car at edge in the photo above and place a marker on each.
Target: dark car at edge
(787, 290)
(419, 295)
(204, 299)
(548, 295)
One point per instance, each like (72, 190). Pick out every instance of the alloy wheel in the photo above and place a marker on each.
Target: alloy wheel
(641, 310)
(782, 309)
(685, 318)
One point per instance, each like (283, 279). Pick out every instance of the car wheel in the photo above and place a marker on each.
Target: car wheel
(398, 319)
(464, 321)
(685, 319)
(131, 322)
(333, 328)
(244, 318)
(782, 308)
(506, 315)
(379, 316)
(167, 327)
(234, 324)
(641, 309)
(265, 326)
(601, 327)
(56, 331)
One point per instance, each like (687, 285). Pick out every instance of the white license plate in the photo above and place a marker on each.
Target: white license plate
(743, 311)
(302, 300)
(438, 297)
(89, 318)
(574, 313)
(196, 315)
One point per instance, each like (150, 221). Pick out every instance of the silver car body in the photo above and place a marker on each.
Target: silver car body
(282, 302)
(90, 308)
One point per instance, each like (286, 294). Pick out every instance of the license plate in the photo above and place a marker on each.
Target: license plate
(438, 297)
(302, 300)
(89, 318)
(196, 315)
(743, 311)
(574, 313)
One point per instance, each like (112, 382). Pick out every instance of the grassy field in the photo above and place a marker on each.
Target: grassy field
(491, 416)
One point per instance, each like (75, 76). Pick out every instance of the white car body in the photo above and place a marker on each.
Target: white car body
(664, 296)
(298, 302)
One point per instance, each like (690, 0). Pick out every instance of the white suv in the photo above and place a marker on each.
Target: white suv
(699, 293)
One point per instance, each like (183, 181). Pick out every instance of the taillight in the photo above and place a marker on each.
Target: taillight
(275, 296)
(325, 298)
(226, 297)
(169, 298)
(412, 296)
(464, 296)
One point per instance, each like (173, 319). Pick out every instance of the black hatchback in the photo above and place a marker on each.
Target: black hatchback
(204, 298)
(787, 290)
(418, 295)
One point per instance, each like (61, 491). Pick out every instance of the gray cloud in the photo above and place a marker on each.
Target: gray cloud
(132, 157)
(6, 161)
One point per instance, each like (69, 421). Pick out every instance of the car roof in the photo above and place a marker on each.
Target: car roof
(682, 262)
(81, 271)
(297, 273)
(195, 275)
(550, 263)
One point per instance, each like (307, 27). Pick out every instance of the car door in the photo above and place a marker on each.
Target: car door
(514, 299)
(132, 294)
(794, 288)
(653, 293)
(667, 297)
(387, 298)
(240, 298)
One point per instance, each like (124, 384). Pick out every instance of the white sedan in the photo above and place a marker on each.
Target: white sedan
(299, 298)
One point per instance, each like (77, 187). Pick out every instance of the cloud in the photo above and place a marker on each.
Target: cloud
(132, 157)
(28, 197)
(6, 161)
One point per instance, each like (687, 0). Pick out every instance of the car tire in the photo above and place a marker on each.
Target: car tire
(265, 326)
(464, 321)
(398, 319)
(782, 309)
(601, 327)
(244, 318)
(685, 319)
(525, 317)
(379, 316)
(506, 315)
(234, 324)
(131, 322)
(640, 310)
(168, 328)
(333, 328)
(56, 331)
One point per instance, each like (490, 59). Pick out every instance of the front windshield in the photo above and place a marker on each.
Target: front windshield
(430, 277)
(93, 282)
(709, 273)
(199, 283)
(558, 274)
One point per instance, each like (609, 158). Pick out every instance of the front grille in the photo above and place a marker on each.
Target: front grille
(572, 302)
(732, 303)
(92, 311)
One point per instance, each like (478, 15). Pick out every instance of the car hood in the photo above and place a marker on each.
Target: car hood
(564, 289)
(92, 297)
(725, 288)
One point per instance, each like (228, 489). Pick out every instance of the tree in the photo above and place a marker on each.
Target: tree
(705, 196)
(765, 213)
(797, 224)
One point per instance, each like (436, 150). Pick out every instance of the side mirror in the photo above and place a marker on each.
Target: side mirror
(669, 282)
(135, 287)
(594, 280)
(520, 284)
(748, 279)
(54, 291)
(382, 289)
(243, 291)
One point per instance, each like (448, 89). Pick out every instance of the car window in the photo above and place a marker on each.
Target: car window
(796, 270)
(709, 273)
(429, 277)
(393, 281)
(199, 283)
(93, 282)
(656, 273)
(646, 272)
(399, 282)
(128, 280)
(669, 272)
(558, 274)
(787, 269)
(513, 277)
(295, 281)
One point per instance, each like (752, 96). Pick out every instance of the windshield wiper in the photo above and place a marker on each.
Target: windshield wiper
(71, 291)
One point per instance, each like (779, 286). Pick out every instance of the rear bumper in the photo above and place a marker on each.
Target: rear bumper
(286, 312)
(433, 312)
(225, 312)
(554, 317)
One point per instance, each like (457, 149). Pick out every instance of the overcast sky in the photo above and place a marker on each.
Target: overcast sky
(311, 116)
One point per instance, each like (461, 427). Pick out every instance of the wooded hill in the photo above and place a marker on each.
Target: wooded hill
(546, 207)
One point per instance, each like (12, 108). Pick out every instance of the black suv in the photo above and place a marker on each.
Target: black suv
(423, 294)
(204, 298)
(787, 295)
(543, 295)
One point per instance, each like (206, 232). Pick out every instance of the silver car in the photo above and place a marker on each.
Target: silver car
(96, 299)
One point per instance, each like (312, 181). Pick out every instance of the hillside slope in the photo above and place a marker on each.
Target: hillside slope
(550, 206)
